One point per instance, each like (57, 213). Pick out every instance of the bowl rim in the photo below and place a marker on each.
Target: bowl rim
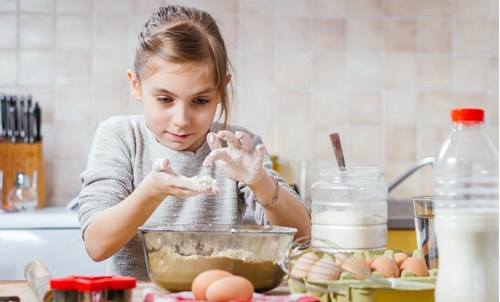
(221, 229)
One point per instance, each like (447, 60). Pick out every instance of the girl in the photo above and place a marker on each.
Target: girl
(181, 78)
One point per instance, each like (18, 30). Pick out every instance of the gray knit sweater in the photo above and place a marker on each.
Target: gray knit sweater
(123, 153)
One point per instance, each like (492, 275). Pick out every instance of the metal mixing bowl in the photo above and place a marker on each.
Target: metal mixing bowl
(176, 254)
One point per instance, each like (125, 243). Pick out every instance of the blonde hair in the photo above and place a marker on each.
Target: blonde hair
(181, 34)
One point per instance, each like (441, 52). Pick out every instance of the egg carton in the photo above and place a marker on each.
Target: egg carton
(349, 289)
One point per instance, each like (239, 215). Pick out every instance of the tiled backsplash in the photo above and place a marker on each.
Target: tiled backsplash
(382, 73)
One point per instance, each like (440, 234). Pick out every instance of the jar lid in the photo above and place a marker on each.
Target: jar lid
(467, 115)
(92, 283)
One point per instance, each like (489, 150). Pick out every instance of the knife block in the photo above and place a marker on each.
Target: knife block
(25, 157)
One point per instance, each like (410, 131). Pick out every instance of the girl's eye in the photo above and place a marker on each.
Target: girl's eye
(163, 99)
(201, 101)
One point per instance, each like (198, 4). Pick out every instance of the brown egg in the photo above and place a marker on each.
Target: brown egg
(231, 288)
(400, 257)
(416, 266)
(386, 266)
(303, 265)
(203, 281)
(324, 270)
(369, 260)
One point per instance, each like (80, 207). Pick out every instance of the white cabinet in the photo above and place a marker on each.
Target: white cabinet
(50, 235)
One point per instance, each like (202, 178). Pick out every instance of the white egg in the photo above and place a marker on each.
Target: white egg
(303, 265)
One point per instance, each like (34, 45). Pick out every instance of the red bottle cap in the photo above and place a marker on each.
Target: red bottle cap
(467, 115)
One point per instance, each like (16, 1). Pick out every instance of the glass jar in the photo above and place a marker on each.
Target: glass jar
(349, 209)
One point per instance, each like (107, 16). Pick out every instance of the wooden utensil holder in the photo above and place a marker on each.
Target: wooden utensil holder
(25, 157)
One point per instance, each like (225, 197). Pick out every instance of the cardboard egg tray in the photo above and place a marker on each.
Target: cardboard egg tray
(348, 289)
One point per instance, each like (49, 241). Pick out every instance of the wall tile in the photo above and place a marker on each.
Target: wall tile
(400, 142)
(150, 6)
(110, 101)
(400, 71)
(36, 68)
(251, 7)
(329, 35)
(36, 31)
(229, 30)
(257, 34)
(73, 105)
(471, 74)
(400, 35)
(287, 29)
(257, 71)
(365, 8)
(73, 68)
(365, 145)
(471, 36)
(66, 183)
(493, 74)
(473, 100)
(41, 6)
(8, 6)
(436, 108)
(110, 32)
(294, 108)
(257, 102)
(365, 107)
(329, 109)
(8, 68)
(329, 71)
(8, 34)
(400, 7)
(111, 6)
(292, 8)
(73, 140)
(220, 8)
(434, 72)
(472, 8)
(73, 6)
(401, 108)
(364, 35)
(436, 8)
(435, 35)
(110, 67)
(292, 71)
(69, 38)
(364, 71)
(329, 8)
(289, 140)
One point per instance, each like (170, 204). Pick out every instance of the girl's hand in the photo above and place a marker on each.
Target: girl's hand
(238, 160)
(181, 186)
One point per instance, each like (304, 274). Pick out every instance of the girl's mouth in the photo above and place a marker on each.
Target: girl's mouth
(179, 136)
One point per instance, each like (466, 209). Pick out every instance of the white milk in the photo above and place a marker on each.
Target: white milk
(468, 255)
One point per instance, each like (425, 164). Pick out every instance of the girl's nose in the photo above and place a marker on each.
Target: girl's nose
(181, 115)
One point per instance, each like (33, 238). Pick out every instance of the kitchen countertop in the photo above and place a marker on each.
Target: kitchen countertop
(22, 290)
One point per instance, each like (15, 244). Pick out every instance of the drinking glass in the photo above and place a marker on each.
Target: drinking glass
(423, 207)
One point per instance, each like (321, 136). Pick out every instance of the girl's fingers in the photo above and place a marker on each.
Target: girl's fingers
(232, 141)
(245, 141)
(213, 141)
(215, 155)
(162, 165)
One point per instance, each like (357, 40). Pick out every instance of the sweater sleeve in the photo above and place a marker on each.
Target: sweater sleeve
(108, 177)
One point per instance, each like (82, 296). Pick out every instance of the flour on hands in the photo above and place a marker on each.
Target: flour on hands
(182, 186)
(238, 161)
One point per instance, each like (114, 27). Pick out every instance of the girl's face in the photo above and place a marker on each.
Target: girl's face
(180, 102)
